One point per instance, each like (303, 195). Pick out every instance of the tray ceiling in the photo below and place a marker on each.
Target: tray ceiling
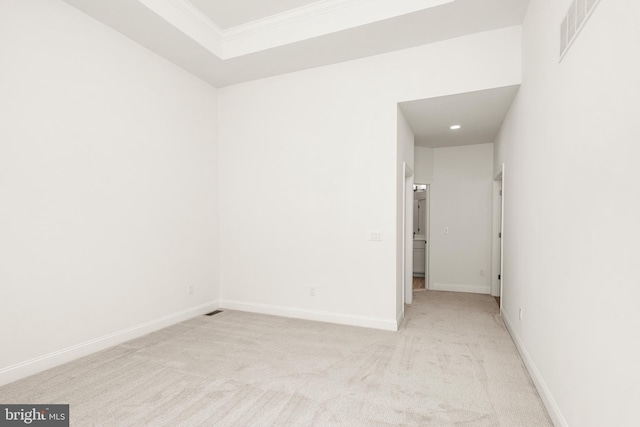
(311, 34)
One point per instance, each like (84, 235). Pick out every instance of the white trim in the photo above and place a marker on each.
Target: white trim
(399, 319)
(197, 17)
(427, 234)
(51, 360)
(320, 316)
(534, 373)
(502, 186)
(407, 243)
(314, 20)
(497, 229)
(452, 287)
(191, 21)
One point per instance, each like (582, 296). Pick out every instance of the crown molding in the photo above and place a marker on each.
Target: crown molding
(199, 18)
(191, 21)
(289, 17)
(314, 20)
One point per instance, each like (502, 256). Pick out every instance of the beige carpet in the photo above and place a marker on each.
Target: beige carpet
(452, 363)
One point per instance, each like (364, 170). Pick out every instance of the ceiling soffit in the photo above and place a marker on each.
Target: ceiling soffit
(480, 115)
(229, 13)
(303, 23)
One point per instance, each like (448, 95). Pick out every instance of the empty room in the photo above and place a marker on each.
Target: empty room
(313, 213)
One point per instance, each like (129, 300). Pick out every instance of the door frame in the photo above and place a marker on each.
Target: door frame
(497, 252)
(407, 231)
(427, 236)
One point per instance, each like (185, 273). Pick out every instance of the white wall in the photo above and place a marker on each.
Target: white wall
(424, 165)
(404, 214)
(319, 147)
(461, 201)
(108, 186)
(572, 204)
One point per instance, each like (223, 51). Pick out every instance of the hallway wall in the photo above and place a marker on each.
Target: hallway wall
(572, 203)
(424, 165)
(461, 218)
(461, 202)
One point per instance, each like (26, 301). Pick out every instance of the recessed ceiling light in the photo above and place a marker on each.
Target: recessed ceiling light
(455, 127)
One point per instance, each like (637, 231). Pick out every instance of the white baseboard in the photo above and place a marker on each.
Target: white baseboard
(450, 287)
(320, 316)
(541, 386)
(51, 360)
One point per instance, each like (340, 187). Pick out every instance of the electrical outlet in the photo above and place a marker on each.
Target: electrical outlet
(191, 290)
(312, 291)
(520, 314)
(481, 272)
(446, 230)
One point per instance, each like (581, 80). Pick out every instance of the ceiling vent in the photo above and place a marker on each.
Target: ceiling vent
(576, 17)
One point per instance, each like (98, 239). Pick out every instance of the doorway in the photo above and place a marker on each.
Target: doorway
(421, 201)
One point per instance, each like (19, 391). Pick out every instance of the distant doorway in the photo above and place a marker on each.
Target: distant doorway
(421, 193)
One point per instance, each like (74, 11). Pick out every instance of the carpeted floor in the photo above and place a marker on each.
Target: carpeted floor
(452, 363)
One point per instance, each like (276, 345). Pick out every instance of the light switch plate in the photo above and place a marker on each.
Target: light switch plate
(375, 236)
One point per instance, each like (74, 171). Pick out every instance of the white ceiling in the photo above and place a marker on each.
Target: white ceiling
(312, 35)
(479, 113)
(229, 13)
